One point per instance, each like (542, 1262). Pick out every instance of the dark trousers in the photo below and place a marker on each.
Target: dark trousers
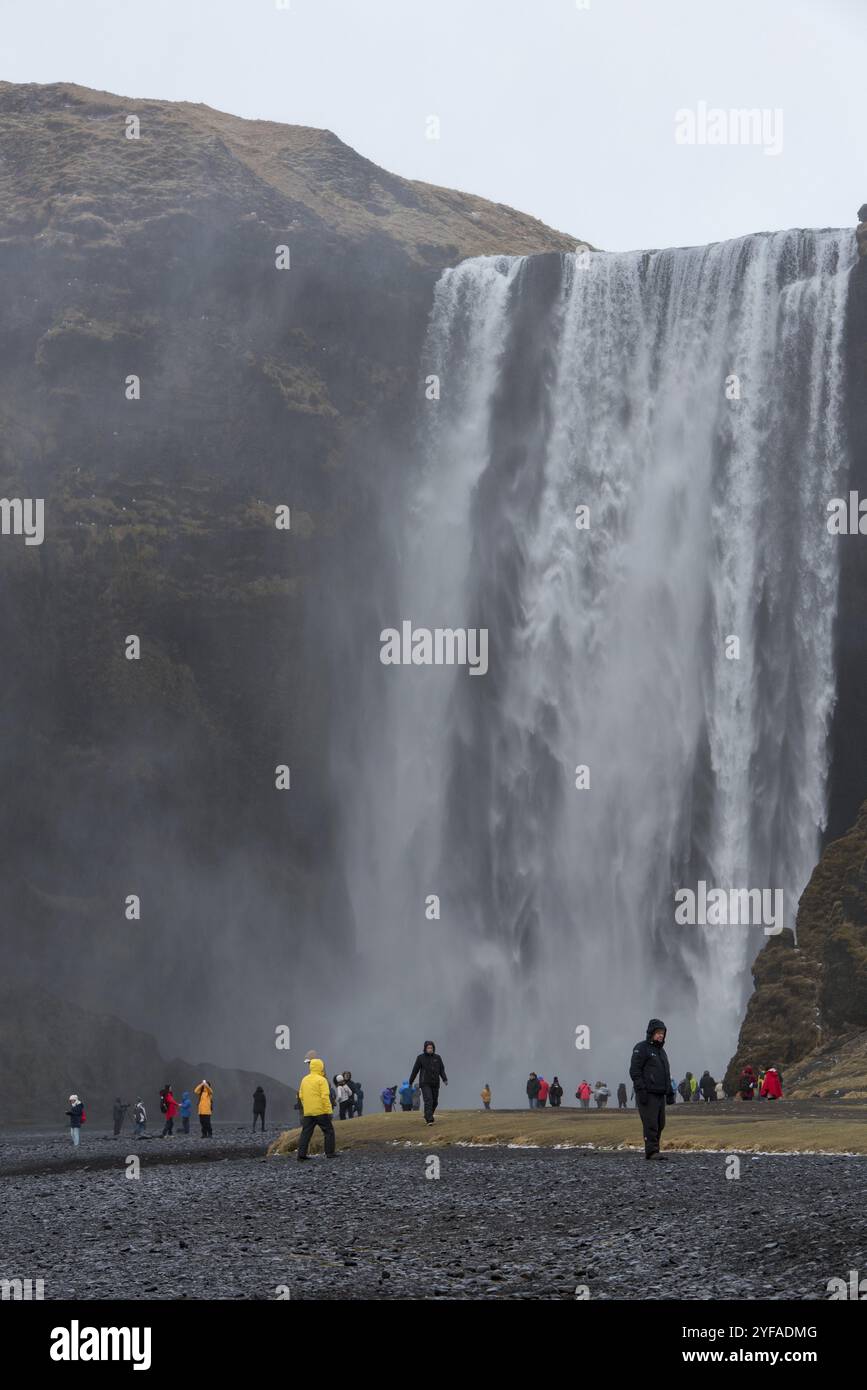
(259, 1115)
(653, 1122)
(169, 1126)
(185, 1123)
(310, 1122)
(205, 1122)
(431, 1096)
(345, 1110)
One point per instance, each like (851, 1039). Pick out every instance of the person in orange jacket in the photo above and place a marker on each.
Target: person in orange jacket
(205, 1092)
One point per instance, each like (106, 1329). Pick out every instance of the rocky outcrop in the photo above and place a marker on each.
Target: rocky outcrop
(861, 230)
(808, 1015)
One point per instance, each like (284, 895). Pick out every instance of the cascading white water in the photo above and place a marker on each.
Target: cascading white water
(608, 381)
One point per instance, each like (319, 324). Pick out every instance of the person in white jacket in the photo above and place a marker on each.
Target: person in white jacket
(344, 1097)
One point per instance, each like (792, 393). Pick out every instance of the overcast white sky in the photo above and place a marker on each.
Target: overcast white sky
(564, 112)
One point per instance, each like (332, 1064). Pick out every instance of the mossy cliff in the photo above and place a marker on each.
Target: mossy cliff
(808, 1015)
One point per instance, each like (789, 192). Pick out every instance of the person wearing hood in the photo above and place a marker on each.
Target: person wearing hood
(140, 1117)
(707, 1086)
(118, 1111)
(772, 1088)
(259, 1103)
(583, 1094)
(205, 1092)
(169, 1107)
(76, 1119)
(651, 1078)
(621, 1096)
(386, 1095)
(542, 1096)
(485, 1094)
(555, 1093)
(747, 1083)
(186, 1111)
(315, 1098)
(601, 1095)
(405, 1093)
(430, 1071)
(348, 1081)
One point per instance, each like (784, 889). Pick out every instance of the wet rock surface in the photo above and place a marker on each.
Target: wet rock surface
(504, 1223)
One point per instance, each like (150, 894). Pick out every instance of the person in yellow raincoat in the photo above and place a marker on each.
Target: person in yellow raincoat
(485, 1094)
(205, 1092)
(314, 1095)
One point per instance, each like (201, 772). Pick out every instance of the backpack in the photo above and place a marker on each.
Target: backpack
(83, 1115)
(163, 1106)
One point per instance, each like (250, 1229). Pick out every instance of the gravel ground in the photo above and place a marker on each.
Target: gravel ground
(497, 1223)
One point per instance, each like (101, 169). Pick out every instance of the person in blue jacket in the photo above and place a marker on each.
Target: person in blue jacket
(186, 1111)
(405, 1093)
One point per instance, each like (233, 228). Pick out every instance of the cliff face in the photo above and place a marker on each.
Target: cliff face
(155, 257)
(808, 1015)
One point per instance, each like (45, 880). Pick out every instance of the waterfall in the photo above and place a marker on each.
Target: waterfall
(692, 401)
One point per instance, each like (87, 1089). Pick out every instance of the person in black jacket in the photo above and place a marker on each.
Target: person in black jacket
(259, 1104)
(555, 1093)
(651, 1077)
(707, 1086)
(621, 1096)
(430, 1071)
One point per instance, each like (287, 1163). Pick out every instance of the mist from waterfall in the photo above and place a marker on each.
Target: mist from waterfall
(692, 400)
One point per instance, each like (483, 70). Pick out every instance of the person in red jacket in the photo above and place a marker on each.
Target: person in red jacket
(771, 1086)
(169, 1107)
(544, 1088)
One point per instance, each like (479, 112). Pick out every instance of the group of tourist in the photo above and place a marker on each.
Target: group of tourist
(766, 1084)
(691, 1091)
(171, 1109)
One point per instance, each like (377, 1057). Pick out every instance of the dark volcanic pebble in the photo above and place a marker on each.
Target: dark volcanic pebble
(497, 1223)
